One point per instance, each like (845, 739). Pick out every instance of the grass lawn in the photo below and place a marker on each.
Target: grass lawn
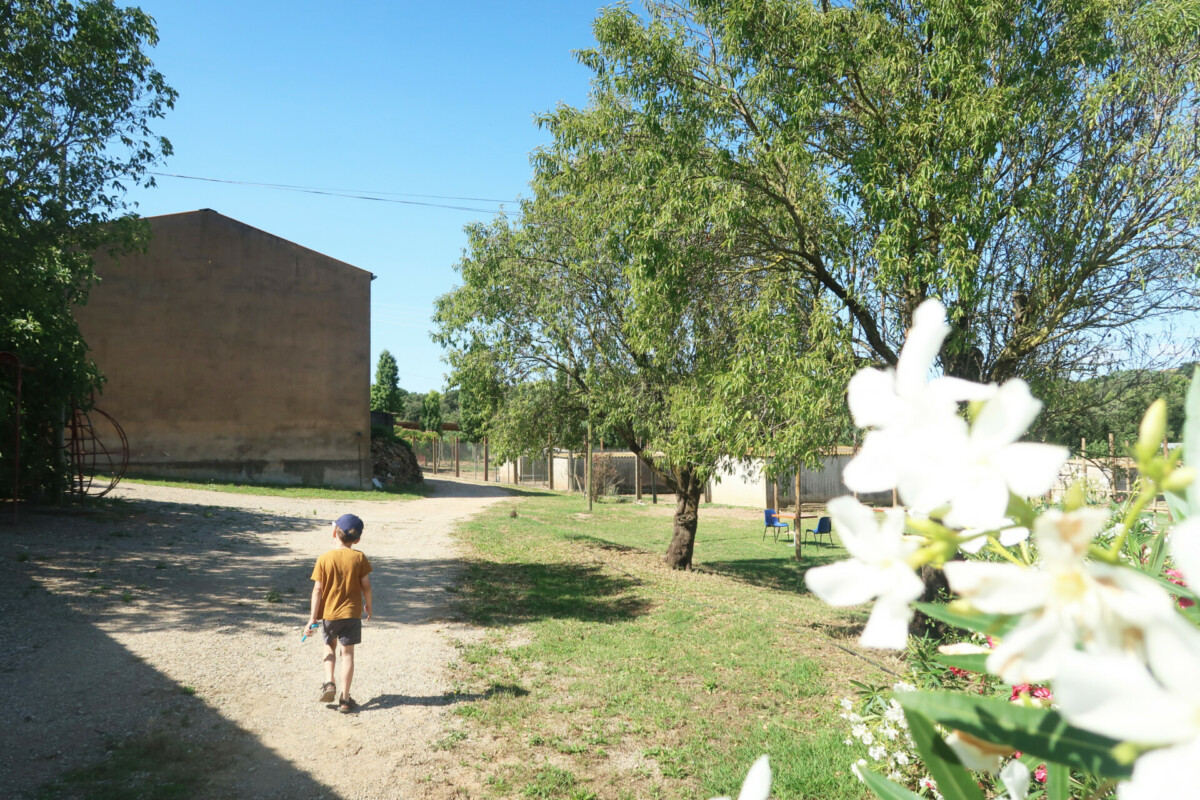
(300, 492)
(603, 674)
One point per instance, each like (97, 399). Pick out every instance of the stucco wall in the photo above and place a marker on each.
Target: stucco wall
(234, 354)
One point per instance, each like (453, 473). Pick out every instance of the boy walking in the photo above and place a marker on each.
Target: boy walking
(341, 594)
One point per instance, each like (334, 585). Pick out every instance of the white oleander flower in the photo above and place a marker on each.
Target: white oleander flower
(1117, 696)
(1155, 702)
(919, 444)
(1065, 600)
(757, 785)
(877, 570)
(1015, 777)
(976, 754)
(877, 753)
(977, 481)
(912, 419)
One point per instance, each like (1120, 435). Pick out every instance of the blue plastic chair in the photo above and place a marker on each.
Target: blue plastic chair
(773, 523)
(824, 528)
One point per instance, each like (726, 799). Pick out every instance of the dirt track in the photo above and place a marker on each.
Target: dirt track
(177, 616)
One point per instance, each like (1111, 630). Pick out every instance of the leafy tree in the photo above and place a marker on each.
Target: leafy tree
(431, 412)
(1034, 165)
(414, 402)
(1092, 409)
(80, 94)
(385, 391)
(556, 325)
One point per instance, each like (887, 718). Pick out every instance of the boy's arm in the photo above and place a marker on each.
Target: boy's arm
(315, 605)
(366, 590)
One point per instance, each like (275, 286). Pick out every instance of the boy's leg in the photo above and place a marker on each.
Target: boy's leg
(328, 690)
(329, 660)
(347, 669)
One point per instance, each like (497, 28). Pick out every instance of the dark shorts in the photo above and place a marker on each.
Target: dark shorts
(346, 631)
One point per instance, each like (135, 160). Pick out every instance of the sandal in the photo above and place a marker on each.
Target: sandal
(346, 705)
(328, 692)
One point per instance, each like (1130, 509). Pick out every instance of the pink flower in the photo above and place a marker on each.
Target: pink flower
(1176, 577)
(961, 673)
(1030, 694)
(1039, 774)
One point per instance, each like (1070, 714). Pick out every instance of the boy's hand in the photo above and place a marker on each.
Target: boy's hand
(367, 612)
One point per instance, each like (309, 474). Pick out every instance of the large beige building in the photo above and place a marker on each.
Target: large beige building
(233, 354)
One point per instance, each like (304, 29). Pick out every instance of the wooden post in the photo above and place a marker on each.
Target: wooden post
(1112, 468)
(588, 466)
(637, 477)
(457, 464)
(855, 435)
(775, 493)
(653, 486)
(517, 471)
(798, 468)
(1083, 455)
(550, 464)
(485, 460)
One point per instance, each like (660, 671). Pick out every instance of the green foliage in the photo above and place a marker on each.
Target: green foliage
(1040, 732)
(1091, 409)
(1032, 165)
(385, 391)
(431, 412)
(80, 94)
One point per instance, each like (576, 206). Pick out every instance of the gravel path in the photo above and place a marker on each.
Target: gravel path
(176, 617)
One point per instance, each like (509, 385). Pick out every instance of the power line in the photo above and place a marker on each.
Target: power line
(354, 194)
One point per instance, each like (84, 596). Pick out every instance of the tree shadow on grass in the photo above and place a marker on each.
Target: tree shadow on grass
(781, 574)
(510, 594)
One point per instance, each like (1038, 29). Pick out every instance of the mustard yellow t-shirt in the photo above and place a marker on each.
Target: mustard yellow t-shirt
(340, 572)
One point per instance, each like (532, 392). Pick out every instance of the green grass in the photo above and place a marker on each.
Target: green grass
(150, 768)
(608, 675)
(307, 492)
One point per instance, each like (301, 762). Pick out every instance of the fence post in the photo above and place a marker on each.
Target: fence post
(457, 465)
(550, 465)
(1112, 469)
(588, 466)
(485, 459)
(637, 476)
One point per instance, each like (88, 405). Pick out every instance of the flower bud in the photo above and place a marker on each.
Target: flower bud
(1150, 434)
(1179, 479)
(1076, 496)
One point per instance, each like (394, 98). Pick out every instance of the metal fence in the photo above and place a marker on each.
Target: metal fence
(450, 456)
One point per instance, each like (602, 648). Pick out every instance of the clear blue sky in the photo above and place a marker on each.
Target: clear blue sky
(409, 97)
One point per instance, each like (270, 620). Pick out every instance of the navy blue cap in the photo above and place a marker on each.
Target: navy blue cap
(350, 524)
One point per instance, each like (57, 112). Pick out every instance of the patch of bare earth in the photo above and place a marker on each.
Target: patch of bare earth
(174, 615)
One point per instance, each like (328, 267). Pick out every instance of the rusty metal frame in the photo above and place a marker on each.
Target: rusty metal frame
(83, 449)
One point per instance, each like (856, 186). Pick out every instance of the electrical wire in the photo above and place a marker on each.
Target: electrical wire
(354, 194)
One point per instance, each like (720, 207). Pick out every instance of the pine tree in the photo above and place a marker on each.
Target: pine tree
(385, 391)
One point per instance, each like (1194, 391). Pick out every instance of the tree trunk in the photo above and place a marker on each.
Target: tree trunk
(683, 541)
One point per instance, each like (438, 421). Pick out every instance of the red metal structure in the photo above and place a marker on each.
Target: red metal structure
(99, 453)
